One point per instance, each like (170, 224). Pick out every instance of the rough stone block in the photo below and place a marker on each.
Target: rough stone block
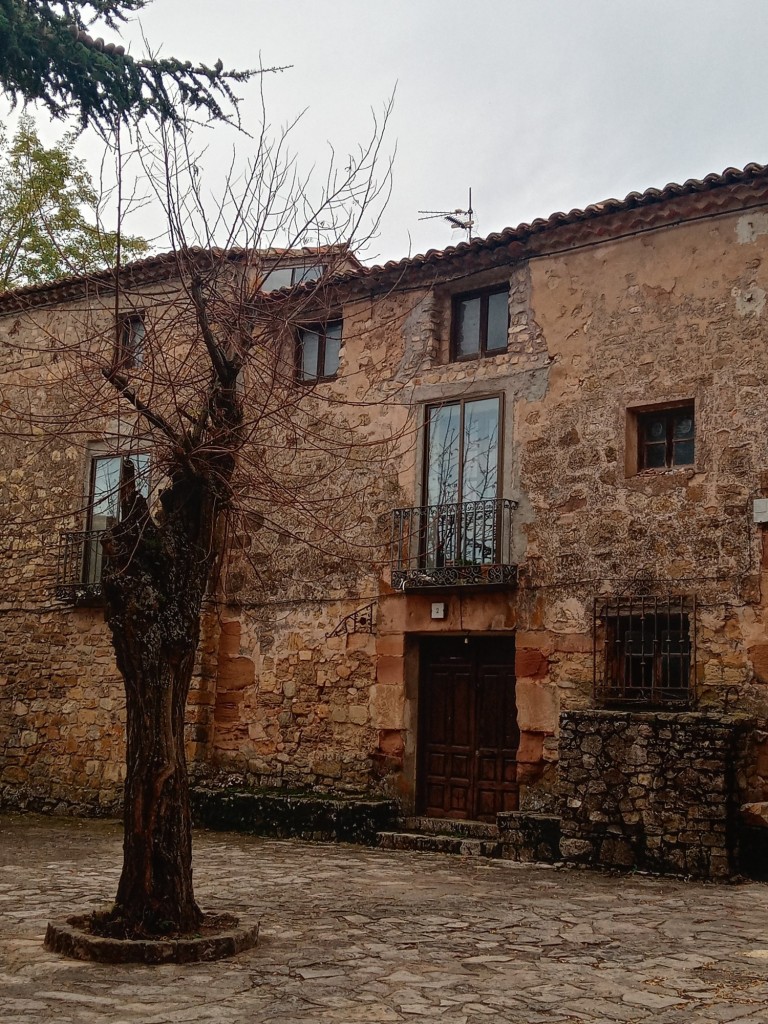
(531, 663)
(387, 707)
(361, 642)
(755, 814)
(236, 673)
(391, 615)
(390, 671)
(537, 706)
(390, 645)
(759, 657)
(575, 849)
(358, 714)
(531, 748)
(391, 742)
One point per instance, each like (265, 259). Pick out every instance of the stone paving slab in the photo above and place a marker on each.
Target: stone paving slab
(353, 935)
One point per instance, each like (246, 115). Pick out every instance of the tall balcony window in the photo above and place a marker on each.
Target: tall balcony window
(463, 533)
(461, 466)
(80, 551)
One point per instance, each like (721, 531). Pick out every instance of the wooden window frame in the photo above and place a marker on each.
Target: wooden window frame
(320, 329)
(483, 294)
(669, 413)
(126, 352)
(460, 504)
(91, 554)
(298, 275)
(634, 457)
(97, 456)
(461, 402)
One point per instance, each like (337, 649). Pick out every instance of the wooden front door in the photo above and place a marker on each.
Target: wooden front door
(468, 735)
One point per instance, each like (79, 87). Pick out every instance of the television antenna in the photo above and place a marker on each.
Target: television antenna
(461, 220)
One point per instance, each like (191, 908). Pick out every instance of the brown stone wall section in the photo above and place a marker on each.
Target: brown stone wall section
(296, 708)
(62, 713)
(538, 708)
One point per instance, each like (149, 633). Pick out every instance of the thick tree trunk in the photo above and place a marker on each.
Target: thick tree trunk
(154, 582)
(155, 894)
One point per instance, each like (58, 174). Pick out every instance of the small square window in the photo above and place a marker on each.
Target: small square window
(131, 341)
(480, 323)
(318, 353)
(666, 437)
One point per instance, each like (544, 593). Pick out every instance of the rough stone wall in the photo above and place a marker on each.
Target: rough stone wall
(292, 705)
(651, 790)
(636, 322)
(62, 713)
(62, 705)
(598, 328)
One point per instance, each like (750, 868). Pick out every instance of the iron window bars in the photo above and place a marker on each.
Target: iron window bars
(78, 575)
(644, 651)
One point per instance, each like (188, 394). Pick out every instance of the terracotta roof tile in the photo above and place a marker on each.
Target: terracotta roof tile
(146, 268)
(153, 267)
(651, 196)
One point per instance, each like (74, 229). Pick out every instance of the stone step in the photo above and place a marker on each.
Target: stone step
(420, 842)
(530, 836)
(450, 827)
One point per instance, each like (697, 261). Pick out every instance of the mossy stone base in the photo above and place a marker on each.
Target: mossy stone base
(71, 937)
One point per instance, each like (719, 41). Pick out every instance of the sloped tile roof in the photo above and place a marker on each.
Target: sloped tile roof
(651, 196)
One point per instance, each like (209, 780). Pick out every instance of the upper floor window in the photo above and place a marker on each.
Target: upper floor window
(666, 437)
(285, 277)
(131, 341)
(104, 505)
(481, 323)
(461, 523)
(462, 456)
(318, 353)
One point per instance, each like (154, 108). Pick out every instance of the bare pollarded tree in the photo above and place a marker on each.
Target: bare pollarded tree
(208, 387)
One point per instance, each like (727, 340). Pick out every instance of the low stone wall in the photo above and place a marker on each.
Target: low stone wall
(292, 815)
(651, 790)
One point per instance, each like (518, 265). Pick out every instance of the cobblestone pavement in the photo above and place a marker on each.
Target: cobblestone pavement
(352, 935)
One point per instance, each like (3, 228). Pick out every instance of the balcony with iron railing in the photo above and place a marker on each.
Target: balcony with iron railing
(78, 575)
(465, 544)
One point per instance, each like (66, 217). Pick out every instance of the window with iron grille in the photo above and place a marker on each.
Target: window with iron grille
(78, 577)
(461, 472)
(104, 504)
(644, 651)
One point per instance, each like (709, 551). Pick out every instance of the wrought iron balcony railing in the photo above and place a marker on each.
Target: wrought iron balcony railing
(454, 545)
(78, 578)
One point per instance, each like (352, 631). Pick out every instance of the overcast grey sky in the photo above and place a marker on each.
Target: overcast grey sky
(539, 105)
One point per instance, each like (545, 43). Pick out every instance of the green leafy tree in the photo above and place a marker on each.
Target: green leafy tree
(46, 54)
(48, 213)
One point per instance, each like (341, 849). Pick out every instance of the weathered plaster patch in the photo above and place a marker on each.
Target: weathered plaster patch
(750, 226)
(749, 301)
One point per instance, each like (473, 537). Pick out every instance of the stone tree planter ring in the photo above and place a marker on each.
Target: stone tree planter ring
(221, 935)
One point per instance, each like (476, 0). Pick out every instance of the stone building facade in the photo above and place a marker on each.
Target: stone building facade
(568, 516)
